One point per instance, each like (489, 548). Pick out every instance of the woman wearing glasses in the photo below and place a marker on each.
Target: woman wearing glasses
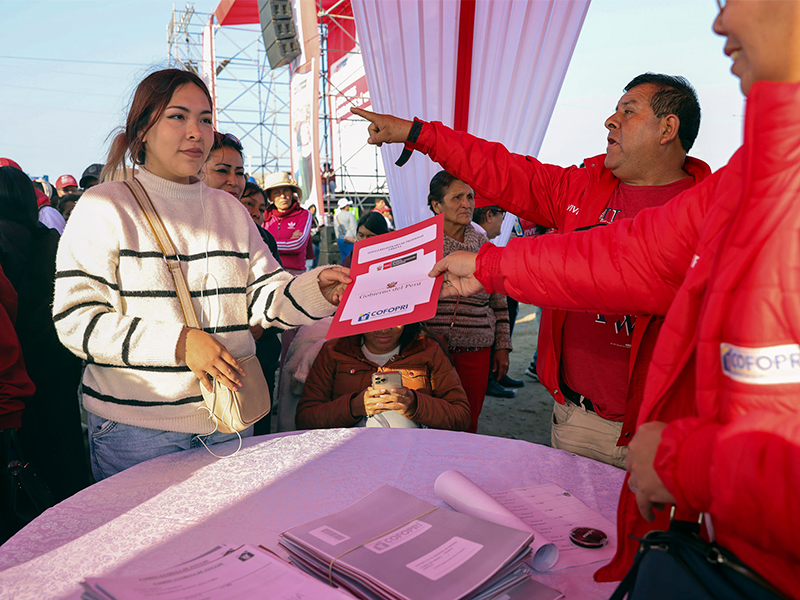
(115, 301)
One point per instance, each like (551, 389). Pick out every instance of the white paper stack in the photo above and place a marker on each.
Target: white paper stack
(391, 545)
(221, 574)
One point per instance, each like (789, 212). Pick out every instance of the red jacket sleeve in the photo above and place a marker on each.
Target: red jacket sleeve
(633, 266)
(14, 381)
(520, 184)
(744, 473)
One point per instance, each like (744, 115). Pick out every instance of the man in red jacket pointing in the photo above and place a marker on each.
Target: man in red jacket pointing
(594, 365)
(719, 429)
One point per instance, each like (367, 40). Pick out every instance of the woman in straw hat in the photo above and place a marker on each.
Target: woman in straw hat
(287, 221)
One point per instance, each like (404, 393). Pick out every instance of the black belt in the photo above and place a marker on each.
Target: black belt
(576, 399)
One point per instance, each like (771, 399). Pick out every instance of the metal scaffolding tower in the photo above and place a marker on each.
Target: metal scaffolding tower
(252, 101)
(359, 175)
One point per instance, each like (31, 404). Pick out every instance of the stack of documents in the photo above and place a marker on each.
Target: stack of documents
(393, 545)
(223, 573)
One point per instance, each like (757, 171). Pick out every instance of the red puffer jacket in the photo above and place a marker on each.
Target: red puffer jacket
(15, 385)
(723, 261)
(284, 227)
(555, 197)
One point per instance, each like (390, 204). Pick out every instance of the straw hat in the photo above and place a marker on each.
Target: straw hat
(281, 179)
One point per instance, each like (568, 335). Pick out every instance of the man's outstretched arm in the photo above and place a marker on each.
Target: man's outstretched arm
(520, 184)
(633, 266)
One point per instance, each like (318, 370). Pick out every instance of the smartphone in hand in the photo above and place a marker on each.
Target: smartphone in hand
(387, 380)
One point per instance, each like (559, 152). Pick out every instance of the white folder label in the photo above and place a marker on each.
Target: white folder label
(445, 559)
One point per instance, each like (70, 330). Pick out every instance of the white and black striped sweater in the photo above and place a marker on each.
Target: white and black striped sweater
(116, 306)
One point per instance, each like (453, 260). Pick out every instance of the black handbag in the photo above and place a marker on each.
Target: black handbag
(680, 564)
(24, 494)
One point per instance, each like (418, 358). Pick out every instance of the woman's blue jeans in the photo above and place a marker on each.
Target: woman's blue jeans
(114, 447)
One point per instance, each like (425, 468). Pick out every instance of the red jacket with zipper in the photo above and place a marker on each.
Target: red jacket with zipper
(722, 261)
(283, 228)
(555, 197)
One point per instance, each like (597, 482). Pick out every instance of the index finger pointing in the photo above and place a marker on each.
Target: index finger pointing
(368, 115)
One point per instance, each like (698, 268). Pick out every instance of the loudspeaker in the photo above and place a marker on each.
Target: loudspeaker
(277, 28)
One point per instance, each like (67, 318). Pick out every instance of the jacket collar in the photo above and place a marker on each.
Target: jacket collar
(595, 166)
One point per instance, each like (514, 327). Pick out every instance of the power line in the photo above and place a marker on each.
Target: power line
(88, 62)
(61, 91)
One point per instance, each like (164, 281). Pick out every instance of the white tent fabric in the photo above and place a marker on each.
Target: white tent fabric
(521, 50)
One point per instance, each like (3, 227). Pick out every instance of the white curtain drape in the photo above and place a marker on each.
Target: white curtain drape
(521, 50)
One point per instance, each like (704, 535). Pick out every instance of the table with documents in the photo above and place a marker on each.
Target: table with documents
(170, 510)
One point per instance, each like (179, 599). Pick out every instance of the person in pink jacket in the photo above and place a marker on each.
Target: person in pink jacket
(287, 221)
(719, 429)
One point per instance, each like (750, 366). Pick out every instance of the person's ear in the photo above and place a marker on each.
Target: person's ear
(669, 129)
(436, 207)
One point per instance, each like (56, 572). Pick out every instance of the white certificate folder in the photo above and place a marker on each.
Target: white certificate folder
(394, 545)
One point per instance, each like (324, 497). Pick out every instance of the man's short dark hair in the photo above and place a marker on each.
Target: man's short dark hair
(480, 215)
(675, 96)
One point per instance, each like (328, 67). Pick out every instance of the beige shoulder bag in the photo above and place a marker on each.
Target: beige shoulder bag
(231, 411)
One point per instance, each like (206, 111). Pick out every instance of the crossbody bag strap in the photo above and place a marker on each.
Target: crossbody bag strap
(167, 249)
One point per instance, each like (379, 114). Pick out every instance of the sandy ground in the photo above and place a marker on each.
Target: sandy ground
(526, 416)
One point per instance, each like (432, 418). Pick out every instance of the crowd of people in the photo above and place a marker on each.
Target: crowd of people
(668, 340)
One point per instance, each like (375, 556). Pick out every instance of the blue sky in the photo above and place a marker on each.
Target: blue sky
(623, 38)
(56, 114)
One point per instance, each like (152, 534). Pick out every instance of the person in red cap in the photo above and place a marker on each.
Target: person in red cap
(66, 184)
(7, 162)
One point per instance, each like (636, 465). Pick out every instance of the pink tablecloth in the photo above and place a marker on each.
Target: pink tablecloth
(172, 508)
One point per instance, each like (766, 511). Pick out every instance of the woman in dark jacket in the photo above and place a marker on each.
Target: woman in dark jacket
(51, 429)
(338, 391)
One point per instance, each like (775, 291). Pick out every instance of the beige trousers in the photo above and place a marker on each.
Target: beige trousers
(582, 432)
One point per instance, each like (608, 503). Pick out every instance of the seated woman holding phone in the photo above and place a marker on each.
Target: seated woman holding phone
(396, 377)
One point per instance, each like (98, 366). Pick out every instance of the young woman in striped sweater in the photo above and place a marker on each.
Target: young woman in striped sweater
(115, 302)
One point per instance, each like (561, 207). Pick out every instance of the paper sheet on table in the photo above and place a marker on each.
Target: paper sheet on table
(221, 574)
(466, 497)
(554, 512)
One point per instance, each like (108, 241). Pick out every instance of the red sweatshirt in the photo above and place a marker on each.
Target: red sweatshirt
(15, 385)
(283, 227)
